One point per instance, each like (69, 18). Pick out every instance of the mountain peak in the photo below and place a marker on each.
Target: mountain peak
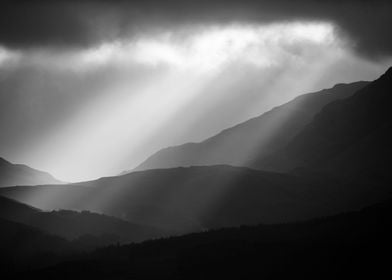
(251, 142)
(18, 174)
(3, 161)
(387, 74)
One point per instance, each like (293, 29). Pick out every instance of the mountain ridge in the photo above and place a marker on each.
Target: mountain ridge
(341, 246)
(19, 174)
(351, 136)
(187, 199)
(72, 225)
(238, 144)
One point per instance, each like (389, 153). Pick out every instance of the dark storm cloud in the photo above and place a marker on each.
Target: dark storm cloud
(60, 23)
(38, 24)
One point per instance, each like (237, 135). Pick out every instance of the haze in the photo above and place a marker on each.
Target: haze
(83, 113)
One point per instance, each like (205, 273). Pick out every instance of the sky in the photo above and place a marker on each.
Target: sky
(92, 88)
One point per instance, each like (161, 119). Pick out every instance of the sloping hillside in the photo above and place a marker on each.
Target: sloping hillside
(20, 175)
(350, 245)
(196, 198)
(73, 225)
(247, 143)
(349, 138)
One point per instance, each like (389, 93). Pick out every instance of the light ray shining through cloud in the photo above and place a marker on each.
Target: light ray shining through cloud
(158, 90)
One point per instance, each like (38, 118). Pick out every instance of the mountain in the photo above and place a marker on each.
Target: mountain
(22, 245)
(349, 245)
(247, 143)
(349, 138)
(19, 174)
(30, 237)
(198, 198)
(73, 225)
(13, 235)
(337, 160)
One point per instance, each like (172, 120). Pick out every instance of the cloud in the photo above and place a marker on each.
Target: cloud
(81, 24)
(213, 47)
(90, 88)
(30, 24)
(96, 111)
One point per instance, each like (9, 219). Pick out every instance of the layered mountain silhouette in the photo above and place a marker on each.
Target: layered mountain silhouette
(85, 226)
(355, 244)
(324, 153)
(248, 143)
(324, 141)
(20, 175)
(185, 199)
(30, 237)
(349, 138)
(20, 240)
(24, 245)
(343, 132)
(197, 198)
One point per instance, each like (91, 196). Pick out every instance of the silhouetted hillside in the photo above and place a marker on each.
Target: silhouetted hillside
(196, 198)
(21, 175)
(77, 225)
(23, 246)
(17, 239)
(345, 246)
(349, 138)
(247, 143)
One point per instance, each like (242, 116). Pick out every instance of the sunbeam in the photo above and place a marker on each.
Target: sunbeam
(125, 99)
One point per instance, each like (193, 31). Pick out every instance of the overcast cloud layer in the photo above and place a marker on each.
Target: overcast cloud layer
(26, 24)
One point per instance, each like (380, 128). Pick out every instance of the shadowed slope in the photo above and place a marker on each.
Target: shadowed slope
(350, 245)
(19, 174)
(17, 239)
(254, 139)
(349, 138)
(195, 198)
(73, 225)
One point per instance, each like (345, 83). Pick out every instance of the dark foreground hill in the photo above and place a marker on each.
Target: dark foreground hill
(198, 198)
(346, 246)
(19, 174)
(17, 239)
(248, 143)
(23, 246)
(84, 226)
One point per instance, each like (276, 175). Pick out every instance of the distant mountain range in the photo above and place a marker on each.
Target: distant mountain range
(20, 175)
(184, 199)
(196, 198)
(324, 154)
(343, 132)
(249, 143)
(333, 157)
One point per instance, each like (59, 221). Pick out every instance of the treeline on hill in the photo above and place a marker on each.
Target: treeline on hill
(354, 244)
